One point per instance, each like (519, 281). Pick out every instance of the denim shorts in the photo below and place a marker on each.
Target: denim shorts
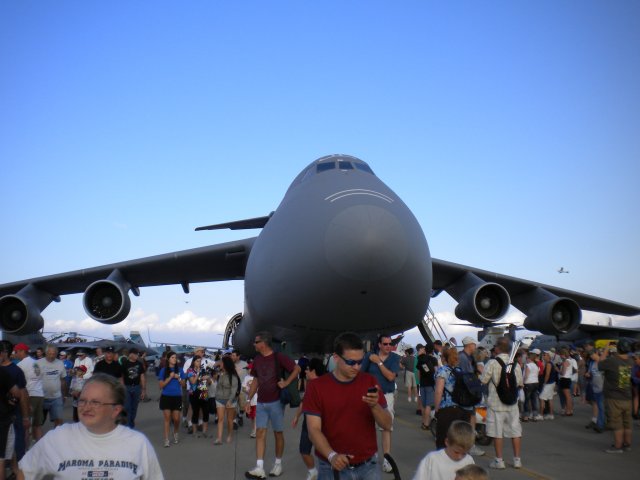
(427, 396)
(54, 407)
(273, 412)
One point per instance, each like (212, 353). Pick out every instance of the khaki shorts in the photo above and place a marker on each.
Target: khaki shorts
(37, 413)
(409, 379)
(618, 414)
(504, 424)
(390, 398)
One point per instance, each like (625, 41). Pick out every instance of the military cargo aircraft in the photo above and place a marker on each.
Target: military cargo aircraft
(341, 252)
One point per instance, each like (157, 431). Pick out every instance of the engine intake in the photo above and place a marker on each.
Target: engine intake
(479, 302)
(20, 314)
(554, 317)
(107, 301)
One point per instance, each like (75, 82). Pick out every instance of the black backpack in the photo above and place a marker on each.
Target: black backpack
(507, 387)
(467, 390)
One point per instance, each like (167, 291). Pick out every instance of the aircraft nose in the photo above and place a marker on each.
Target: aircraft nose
(366, 243)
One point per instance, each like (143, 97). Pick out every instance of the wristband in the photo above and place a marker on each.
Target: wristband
(331, 456)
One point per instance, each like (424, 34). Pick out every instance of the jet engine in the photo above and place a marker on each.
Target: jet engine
(483, 304)
(20, 313)
(479, 302)
(554, 317)
(107, 301)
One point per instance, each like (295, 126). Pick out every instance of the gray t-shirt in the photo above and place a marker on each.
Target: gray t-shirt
(52, 373)
(617, 377)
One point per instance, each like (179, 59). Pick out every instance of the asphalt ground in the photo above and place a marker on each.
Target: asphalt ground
(559, 449)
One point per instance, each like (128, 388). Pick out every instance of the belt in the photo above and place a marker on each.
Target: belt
(356, 465)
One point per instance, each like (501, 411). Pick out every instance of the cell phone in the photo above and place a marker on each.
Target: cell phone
(372, 390)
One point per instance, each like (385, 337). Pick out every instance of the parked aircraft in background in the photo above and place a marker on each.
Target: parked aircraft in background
(603, 334)
(341, 252)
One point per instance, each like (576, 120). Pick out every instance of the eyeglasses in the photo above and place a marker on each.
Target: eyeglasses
(93, 403)
(352, 363)
(387, 344)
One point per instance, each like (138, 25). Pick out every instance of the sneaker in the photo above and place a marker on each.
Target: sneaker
(548, 417)
(175, 438)
(386, 467)
(626, 448)
(312, 475)
(517, 463)
(476, 452)
(166, 443)
(235, 425)
(497, 464)
(590, 425)
(538, 418)
(613, 450)
(240, 421)
(276, 471)
(409, 399)
(257, 472)
(252, 434)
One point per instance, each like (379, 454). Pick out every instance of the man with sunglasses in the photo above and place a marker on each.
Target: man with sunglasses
(385, 366)
(342, 409)
(267, 383)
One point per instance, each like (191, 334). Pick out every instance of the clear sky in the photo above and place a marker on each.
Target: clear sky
(511, 129)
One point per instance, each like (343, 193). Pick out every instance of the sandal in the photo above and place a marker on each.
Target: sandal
(424, 427)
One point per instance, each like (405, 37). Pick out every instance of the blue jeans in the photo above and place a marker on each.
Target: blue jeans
(369, 470)
(131, 400)
(599, 398)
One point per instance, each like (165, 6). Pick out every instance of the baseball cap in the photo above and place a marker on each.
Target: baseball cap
(469, 341)
(536, 351)
(21, 346)
(81, 352)
(134, 350)
(109, 349)
(63, 353)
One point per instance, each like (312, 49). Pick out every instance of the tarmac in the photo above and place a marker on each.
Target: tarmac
(558, 449)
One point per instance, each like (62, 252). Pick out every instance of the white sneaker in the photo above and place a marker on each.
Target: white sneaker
(175, 438)
(517, 463)
(312, 475)
(257, 472)
(409, 399)
(276, 471)
(548, 417)
(476, 452)
(166, 443)
(386, 467)
(497, 464)
(537, 418)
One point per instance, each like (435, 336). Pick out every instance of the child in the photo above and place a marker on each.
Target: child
(472, 472)
(77, 382)
(444, 463)
(246, 385)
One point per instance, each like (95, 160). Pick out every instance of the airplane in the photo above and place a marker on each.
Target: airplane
(562, 270)
(71, 342)
(601, 335)
(341, 252)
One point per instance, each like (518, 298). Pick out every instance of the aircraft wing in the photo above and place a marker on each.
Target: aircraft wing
(446, 274)
(106, 297)
(225, 261)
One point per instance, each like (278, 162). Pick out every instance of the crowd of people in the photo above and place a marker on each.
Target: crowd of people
(349, 399)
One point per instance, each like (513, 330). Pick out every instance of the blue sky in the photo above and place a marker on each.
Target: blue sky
(511, 129)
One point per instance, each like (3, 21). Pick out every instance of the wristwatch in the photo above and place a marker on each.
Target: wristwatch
(380, 364)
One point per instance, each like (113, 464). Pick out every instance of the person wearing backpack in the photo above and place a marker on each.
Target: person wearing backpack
(447, 410)
(503, 419)
(467, 364)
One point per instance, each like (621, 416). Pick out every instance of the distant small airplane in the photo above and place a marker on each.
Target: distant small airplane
(562, 270)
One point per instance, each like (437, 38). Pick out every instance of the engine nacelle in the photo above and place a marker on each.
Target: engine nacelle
(479, 302)
(20, 313)
(107, 301)
(554, 317)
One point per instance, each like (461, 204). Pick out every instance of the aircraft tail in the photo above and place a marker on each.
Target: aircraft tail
(118, 337)
(135, 337)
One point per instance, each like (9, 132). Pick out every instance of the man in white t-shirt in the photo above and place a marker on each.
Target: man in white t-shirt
(83, 359)
(33, 376)
(53, 384)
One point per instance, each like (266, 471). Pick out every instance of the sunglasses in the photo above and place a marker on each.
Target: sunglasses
(352, 363)
(387, 344)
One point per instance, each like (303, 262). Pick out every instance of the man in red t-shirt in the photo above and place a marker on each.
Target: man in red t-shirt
(342, 410)
(267, 384)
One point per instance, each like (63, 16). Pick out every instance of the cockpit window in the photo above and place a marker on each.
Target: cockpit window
(364, 167)
(324, 166)
(342, 165)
